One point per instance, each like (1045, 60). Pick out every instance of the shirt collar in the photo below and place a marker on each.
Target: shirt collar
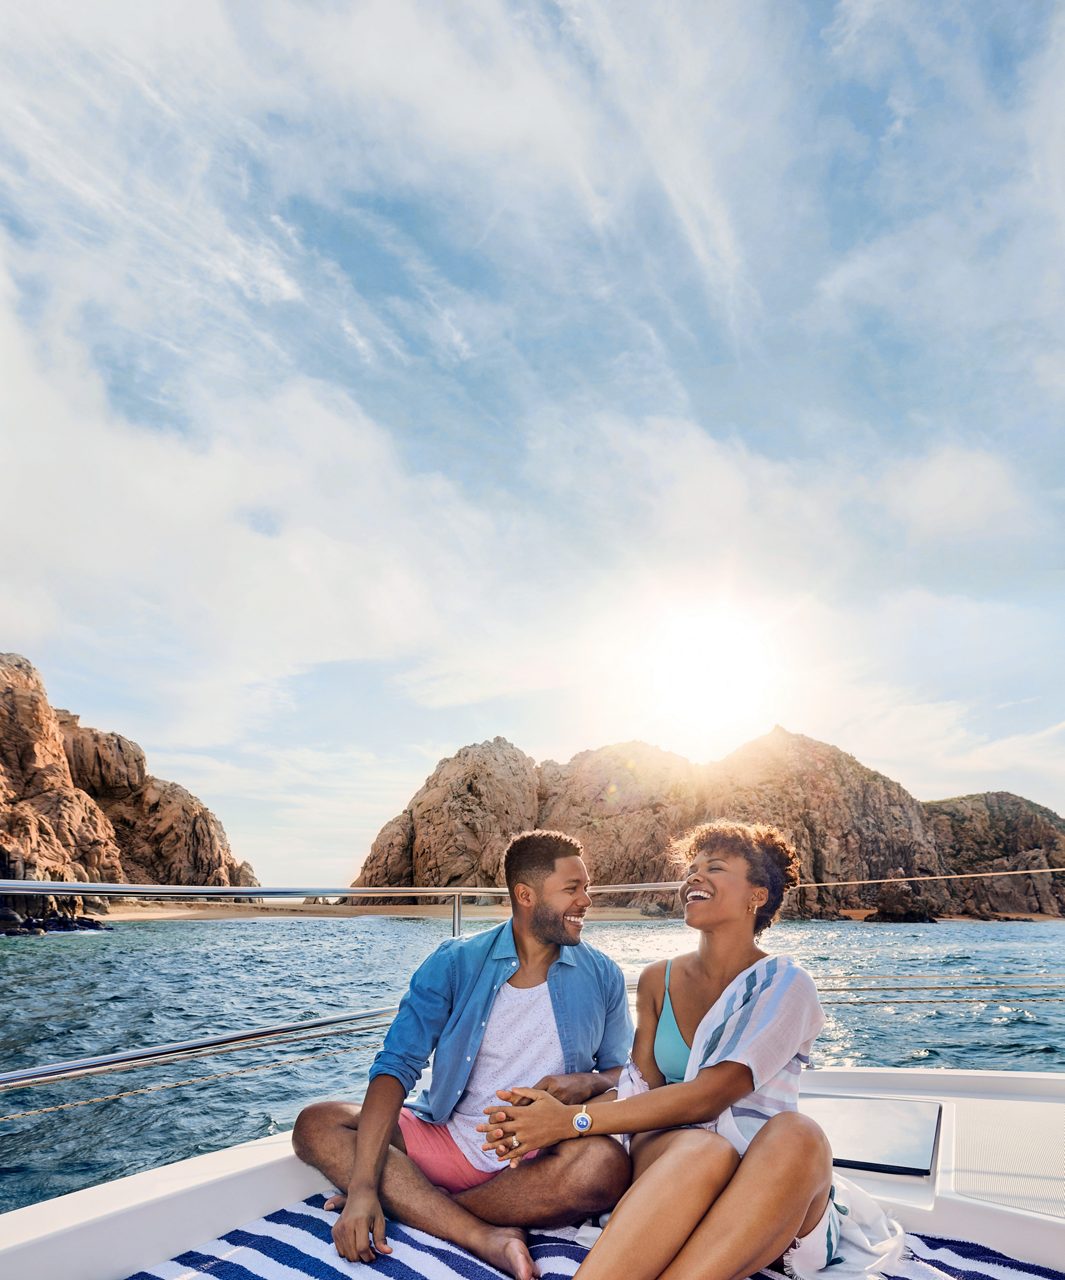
(504, 947)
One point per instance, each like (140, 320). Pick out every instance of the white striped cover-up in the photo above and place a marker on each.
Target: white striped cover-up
(766, 1018)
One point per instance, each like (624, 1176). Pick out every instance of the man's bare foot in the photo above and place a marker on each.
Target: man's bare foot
(505, 1248)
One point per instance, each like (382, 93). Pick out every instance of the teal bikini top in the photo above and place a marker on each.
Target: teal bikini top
(671, 1049)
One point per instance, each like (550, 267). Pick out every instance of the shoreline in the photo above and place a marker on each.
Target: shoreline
(299, 910)
(133, 911)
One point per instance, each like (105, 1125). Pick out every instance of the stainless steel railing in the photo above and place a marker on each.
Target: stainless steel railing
(180, 1050)
(59, 889)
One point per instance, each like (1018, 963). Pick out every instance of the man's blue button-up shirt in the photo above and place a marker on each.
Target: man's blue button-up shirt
(446, 1008)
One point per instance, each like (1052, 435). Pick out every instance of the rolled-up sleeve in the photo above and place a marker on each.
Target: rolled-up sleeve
(422, 1015)
(616, 1044)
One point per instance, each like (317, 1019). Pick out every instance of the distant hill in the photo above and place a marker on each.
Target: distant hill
(79, 804)
(626, 802)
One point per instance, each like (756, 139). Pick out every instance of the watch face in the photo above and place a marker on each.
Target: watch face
(582, 1122)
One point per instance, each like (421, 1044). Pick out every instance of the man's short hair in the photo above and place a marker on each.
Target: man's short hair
(531, 856)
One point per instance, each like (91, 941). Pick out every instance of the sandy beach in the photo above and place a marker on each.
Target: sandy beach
(134, 910)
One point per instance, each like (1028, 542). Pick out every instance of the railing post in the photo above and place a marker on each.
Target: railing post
(456, 916)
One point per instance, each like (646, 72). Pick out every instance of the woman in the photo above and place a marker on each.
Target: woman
(727, 1176)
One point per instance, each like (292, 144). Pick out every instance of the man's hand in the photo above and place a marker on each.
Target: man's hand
(359, 1232)
(572, 1089)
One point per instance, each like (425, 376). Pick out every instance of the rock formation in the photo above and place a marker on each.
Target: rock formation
(625, 803)
(49, 829)
(455, 829)
(1001, 832)
(900, 903)
(848, 822)
(79, 804)
(461, 819)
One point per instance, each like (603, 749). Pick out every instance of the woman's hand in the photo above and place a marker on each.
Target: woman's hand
(533, 1120)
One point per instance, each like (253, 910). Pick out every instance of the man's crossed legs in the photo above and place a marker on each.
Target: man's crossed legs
(559, 1186)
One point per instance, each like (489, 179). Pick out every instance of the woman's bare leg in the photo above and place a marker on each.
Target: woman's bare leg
(779, 1192)
(679, 1174)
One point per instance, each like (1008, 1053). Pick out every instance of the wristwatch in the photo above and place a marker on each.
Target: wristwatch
(582, 1121)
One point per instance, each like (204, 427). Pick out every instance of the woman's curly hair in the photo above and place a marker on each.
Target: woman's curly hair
(772, 862)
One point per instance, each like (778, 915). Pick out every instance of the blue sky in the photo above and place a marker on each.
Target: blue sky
(382, 377)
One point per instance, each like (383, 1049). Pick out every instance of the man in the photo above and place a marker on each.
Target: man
(524, 1001)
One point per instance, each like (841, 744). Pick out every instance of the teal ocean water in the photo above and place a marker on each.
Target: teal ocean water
(73, 995)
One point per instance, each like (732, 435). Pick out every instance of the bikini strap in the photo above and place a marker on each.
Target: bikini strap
(669, 965)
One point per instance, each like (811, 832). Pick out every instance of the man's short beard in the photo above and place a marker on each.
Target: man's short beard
(548, 926)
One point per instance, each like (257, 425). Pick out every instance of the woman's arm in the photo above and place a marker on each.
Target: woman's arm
(649, 996)
(544, 1121)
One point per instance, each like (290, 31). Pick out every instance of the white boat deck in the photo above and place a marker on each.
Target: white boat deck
(997, 1179)
(998, 1171)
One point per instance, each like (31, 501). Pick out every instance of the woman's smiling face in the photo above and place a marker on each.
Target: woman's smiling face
(716, 888)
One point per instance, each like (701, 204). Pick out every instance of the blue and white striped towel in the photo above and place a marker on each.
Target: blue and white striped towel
(297, 1242)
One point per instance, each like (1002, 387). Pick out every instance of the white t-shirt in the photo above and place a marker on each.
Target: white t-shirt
(520, 1047)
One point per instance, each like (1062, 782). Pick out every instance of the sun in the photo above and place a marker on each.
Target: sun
(700, 678)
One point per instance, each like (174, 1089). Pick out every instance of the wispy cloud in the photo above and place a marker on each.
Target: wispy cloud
(961, 494)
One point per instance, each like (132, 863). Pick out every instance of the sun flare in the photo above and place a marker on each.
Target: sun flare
(699, 679)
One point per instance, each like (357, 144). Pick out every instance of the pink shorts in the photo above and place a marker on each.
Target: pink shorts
(435, 1152)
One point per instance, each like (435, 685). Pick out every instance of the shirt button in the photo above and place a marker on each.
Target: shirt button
(467, 1057)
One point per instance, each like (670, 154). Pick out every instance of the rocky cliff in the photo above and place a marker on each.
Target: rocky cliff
(998, 831)
(79, 804)
(848, 822)
(625, 803)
